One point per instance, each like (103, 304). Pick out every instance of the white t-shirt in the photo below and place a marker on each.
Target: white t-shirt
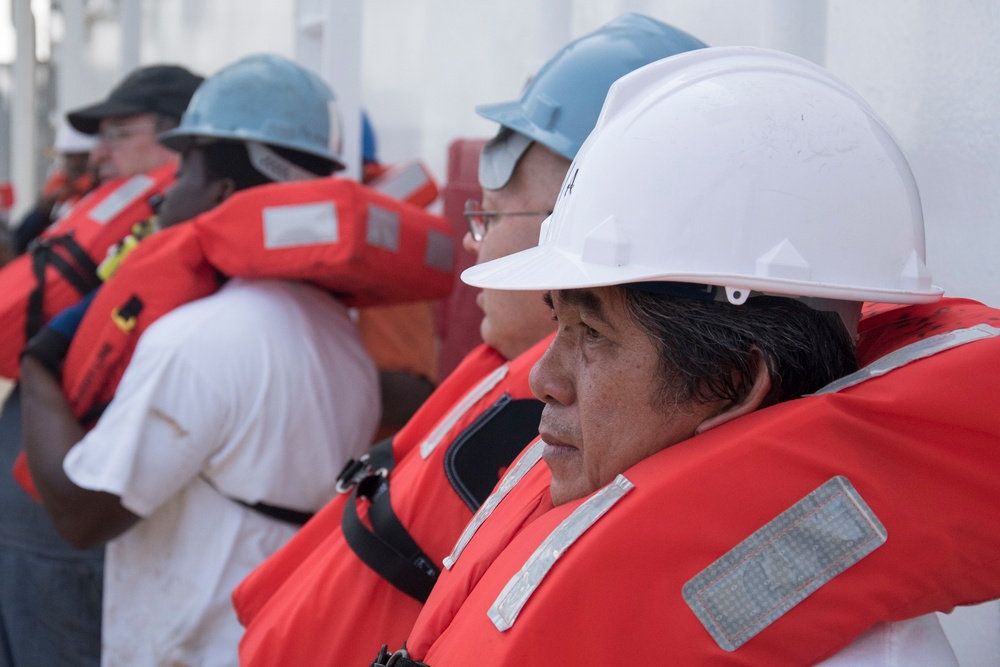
(918, 642)
(259, 392)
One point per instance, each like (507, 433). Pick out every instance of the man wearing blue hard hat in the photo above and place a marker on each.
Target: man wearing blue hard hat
(236, 410)
(348, 583)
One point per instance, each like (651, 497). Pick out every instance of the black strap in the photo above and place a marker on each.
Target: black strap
(82, 275)
(293, 517)
(387, 548)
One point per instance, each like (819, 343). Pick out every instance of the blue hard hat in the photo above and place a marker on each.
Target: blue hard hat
(560, 105)
(262, 98)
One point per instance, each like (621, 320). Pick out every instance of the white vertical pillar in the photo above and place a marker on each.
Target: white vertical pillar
(797, 27)
(328, 41)
(23, 130)
(71, 76)
(130, 24)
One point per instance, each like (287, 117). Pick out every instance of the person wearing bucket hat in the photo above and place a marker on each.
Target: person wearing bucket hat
(714, 483)
(235, 410)
(338, 590)
(149, 100)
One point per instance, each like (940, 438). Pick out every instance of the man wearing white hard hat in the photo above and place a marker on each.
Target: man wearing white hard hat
(338, 587)
(714, 482)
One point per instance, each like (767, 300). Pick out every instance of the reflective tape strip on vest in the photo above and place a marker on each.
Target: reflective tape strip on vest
(287, 604)
(96, 223)
(776, 539)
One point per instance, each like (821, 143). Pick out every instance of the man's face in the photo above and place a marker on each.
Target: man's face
(514, 321)
(127, 146)
(604, 406)
(193, 193)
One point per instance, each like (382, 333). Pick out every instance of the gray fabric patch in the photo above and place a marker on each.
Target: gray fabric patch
(440, 251)
(770, 572)
(383, 228)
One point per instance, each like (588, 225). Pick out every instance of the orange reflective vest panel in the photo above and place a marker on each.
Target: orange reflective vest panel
(362, 246)
(328, 232)
(776, 539)
(61, 266)
(316, 601)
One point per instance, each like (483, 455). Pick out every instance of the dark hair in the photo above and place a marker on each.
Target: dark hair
(229, 159)
(706, 348)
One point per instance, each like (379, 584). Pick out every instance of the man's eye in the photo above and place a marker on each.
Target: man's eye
(591, 332)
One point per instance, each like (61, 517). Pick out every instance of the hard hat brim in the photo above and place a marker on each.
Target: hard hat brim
(547, 267)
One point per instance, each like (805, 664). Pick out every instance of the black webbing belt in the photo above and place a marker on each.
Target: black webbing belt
(285, 514)
(294, 517)
(82, 275)
(387, 548)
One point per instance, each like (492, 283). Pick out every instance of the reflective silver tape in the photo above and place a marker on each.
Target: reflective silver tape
(403, 182)
(440, 251)
(763, 577)
(519, 589)
(431, 442)
(301, 224)
(912, 352)
(125, 194)
(383, 228)
(514, 475)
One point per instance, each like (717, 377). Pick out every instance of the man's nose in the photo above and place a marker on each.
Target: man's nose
(549, 380)
(470, 244)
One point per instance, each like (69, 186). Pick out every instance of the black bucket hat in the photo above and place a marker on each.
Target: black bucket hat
(161, 89)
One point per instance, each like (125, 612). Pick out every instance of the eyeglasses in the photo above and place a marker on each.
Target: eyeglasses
(115, 134)
(480, 220)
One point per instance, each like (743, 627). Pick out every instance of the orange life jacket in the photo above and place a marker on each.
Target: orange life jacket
(61, 266)
(364, 247)
(315, 601)
(773, 540)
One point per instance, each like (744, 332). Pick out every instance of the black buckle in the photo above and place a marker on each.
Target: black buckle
(356, 470)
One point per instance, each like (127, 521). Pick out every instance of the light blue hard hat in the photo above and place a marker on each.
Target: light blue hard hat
(262, 98)
(560, 106)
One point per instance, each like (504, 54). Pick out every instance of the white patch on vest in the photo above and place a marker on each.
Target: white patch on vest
(383, 228)
(440, 251)
(445, 425)
(514, 475)
(766, 575)
(518, 590)
(304, 224)
(123, 196)
(912, 352)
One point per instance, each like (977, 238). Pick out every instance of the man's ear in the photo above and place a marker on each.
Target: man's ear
(224, 188)
(751, 402)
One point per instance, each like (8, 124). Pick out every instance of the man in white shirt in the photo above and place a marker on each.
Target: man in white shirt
(236, 411)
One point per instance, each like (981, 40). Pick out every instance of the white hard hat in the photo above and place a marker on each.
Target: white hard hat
(70, 140)
(742, 168)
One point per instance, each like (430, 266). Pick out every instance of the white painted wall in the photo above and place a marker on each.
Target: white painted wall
(930, 68)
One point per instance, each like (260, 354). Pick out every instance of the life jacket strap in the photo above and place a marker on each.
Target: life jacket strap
(386, 547)
(81, 274)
